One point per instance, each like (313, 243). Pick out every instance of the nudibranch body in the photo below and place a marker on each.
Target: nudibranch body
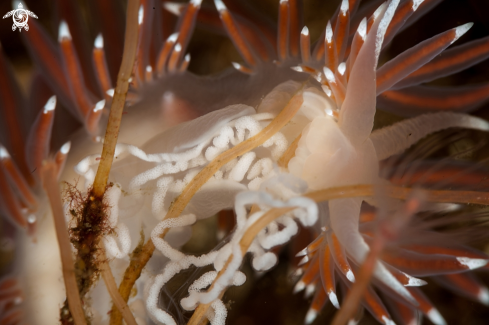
(325, 142)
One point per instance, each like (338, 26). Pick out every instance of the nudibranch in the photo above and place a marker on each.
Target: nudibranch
(263, 140)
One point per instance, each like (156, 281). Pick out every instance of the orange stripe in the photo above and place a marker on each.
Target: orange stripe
(47, 56)
(237, 38)
(312, 247)
(406, 314)
(418, 264)
(102, 72)
(186, 24)
(283, 22)
(9, 202)
(312, 272)
(465, 284)
(454, 251)
(428, 176)
(376, 307)
(305, 43)
(453, 57)
(9, 113)
(75, 80)
(327, 274)
(339, 255)
(341, 33)
(294, 26)
(319, 299)
(423, 302)
(163, 56)
(433, 45)
(39, 139)
(403, 12)
(20, 182)
(459, 100)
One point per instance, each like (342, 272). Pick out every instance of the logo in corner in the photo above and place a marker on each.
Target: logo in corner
(20, 17)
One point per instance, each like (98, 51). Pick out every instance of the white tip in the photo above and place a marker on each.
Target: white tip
(460, 30)
(220, 234)
(352, 322)
(472, 263)
(302, 253)
(237, 66)
(174, 7)
(334, 300)
(31, 218)
(362, 28)
(172, 38)
(484, 296)
(329, 74)
(304, 260)
(297, 68)
(3, 153)
(99, 106)
(220, 5)
(196, 3)
(65, 148)
(344, 7)
(149, 68)
(297, 273)
(384, 24)
(299, 286)
(416, 4)
(342, 68)
(415, 282)
(141, 14)
(284, 1)
(110, 92)
(318, 76)
(99, 41)
(305, 31)
(329, 33)
(18, 300)
(309, 290)
(435, 317)
(350, 276)
(50, 105)
(64, 31)
(187, 57)
(310, 316)
(326, 90)
(388, 321)
(178, 47)
(379, 10)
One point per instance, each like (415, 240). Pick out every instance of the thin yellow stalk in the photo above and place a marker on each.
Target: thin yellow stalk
(139, 259)
(463, 197)
(111, 285)
(115, 115)
(289, 153)
(50, 183)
